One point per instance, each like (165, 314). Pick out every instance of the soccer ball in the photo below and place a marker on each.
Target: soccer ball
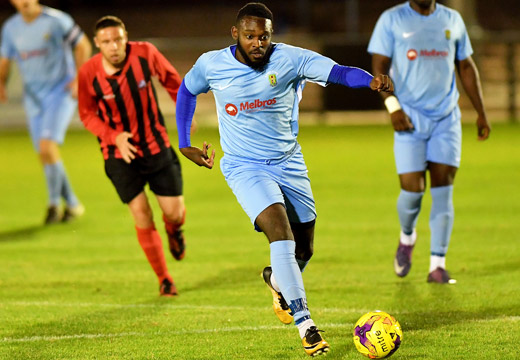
(377, 335)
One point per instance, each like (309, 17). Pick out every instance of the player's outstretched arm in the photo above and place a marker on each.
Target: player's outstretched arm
(471, 82)
(186, 103)
(200, 156)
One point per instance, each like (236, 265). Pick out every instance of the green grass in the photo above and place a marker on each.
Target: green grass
(85, 291)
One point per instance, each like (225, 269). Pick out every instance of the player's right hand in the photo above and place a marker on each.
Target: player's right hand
(401, 121)
(126, 149)
(200, 156)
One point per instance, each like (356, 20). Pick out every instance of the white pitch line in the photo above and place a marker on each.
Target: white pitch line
(159, 333)
(199, 331)
(170, 306)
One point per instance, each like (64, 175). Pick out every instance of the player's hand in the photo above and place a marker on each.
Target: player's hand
(73, 88)
(126, 149)
(200, 156)
(483, 128)
(382, 83)
(401, 121)
(3, 94)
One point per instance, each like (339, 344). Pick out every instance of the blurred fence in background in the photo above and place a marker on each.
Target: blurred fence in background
(184, 34)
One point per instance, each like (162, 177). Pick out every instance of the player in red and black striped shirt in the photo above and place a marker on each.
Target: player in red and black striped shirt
(118, 104)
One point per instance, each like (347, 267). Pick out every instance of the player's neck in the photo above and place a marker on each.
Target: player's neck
(425, 11)
(31, 14)
(111, 69)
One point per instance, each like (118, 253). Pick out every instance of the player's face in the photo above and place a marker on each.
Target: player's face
(111, 42)
(25, 7)
(253, 35)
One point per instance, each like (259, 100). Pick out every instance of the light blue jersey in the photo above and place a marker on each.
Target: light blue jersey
(258, 111)
(423, 51)
(42, 49)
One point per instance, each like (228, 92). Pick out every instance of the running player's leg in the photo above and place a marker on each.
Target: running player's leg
(57, 111)
(410, 159)
(166, 184)
(444, 151)
(129, 184)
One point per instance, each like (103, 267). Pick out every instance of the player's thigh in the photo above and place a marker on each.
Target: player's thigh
(126, 178)
(253, 185)
(410, 152)
(296, 188)
(274, 223)
(167, 180)
(57, 113)
(445, 144)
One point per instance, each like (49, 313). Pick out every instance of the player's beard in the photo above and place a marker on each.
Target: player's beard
(259, 65)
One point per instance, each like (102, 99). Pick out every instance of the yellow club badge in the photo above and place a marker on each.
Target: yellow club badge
(46, 36)
(272, 79)
(448, 34)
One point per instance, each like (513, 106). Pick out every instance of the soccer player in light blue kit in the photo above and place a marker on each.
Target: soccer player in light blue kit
(422, 43)
(48, 47)
(257, 86)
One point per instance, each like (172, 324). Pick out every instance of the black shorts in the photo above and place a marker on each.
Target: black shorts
(162, 172)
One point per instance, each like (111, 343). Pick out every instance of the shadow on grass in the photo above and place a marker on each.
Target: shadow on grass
(440, 307)
(26, 233)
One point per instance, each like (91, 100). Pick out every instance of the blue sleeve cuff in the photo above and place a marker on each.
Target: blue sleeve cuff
(349, 76)
(186, 104)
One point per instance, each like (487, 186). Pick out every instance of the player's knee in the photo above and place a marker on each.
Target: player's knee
(143, 216)
(175, 216)
(305, 253)
(49, 152)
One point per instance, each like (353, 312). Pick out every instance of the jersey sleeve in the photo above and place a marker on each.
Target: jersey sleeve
(88, 109)
(195, 80)
(382, 39)
(311, 66)
(166, 73)
(7, 48)
(70, 31)
(463, 46)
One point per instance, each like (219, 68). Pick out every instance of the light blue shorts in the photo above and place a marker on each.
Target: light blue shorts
(259, 184)
(49, 116)
(430, 141)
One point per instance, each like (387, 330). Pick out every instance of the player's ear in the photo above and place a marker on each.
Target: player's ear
(234, 32)
(96, 41)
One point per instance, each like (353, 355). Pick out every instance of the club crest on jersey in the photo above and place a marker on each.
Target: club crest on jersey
(231, 109)
(448, 34)
(142, 84)
(272, 79)
(46, 36)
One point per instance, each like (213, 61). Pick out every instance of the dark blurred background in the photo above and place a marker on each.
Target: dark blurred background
(340, 29)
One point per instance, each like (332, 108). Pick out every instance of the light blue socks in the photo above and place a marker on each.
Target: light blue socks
(58, 185)
(288, 276)
(408, 207)
(441, 219)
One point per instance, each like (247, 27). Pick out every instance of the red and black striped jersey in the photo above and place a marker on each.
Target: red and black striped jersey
(127, 100)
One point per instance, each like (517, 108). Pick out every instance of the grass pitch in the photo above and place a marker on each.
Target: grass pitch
(85, 291)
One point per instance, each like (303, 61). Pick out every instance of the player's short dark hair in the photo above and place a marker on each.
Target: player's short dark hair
(254, 9)
(108, 21)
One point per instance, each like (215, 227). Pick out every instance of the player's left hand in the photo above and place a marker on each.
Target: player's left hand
(382, 83)
(483, 127)
(73, 88)
(200, 156)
